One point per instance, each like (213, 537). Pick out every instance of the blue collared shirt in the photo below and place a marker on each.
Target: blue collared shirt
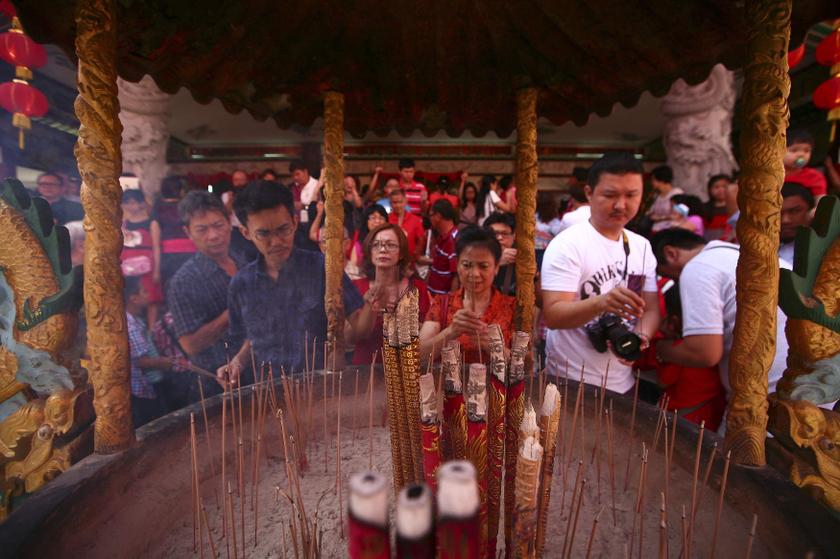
(277, 315)
(198, 294)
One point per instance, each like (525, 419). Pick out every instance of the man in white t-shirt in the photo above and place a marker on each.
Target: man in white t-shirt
(596, 269)
(706, 274)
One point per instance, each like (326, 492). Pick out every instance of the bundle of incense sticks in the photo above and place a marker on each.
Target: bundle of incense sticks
(408, 330)
(394, 404)
(527, 491)
(514, 410)
(477, 439)
(454, 409)
(497, 394)
(368, 517)
(458, 506)
(549, 423)
(415, 523)
(402, 381)
(430, 430)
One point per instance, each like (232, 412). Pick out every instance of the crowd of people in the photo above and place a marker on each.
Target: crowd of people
(625, 280)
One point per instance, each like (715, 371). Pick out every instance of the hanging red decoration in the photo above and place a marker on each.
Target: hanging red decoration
(7, 9)
(828, 51)
(795, 56)
(18, 49)
(827, 95)
(23, 101)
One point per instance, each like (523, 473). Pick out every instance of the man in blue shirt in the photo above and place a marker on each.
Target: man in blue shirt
(197, 293)
(278, 299)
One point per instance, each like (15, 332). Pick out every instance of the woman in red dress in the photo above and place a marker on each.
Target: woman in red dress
(387, 263)
(465, 314)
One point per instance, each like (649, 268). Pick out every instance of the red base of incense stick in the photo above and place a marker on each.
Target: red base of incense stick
(477, 454)
(367, 541)
(496, 393)
(515, 408)
(430, 435)
(458, 538)
(455, 422)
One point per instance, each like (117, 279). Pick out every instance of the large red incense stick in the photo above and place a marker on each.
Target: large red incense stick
(454, 408)
(497, 395)
(458, 504)
(477, 438)
(415, 523)
(368, 517)
(429, 429)
(514, 410)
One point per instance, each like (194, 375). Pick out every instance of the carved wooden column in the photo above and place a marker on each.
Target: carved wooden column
(98, 155)
(765, 110)
(526, 195)
(334, 228)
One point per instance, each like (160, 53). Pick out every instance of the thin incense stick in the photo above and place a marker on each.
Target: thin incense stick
(355, 401)
(577, 515)
(571, 506)
(610, 458)
(242, 493)
(592, 533)
(370, 413)
(232, 520)
(720, 502)
(639, 495)
(572, 439)
(632, 432)
(663, 524)
(752, 536)
(224, 425)
(194, 482)
(209, 535)
(339, 483)
(694, 487)
(207, 440)
(706, 475)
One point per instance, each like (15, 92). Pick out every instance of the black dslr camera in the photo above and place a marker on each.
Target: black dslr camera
(610, 328)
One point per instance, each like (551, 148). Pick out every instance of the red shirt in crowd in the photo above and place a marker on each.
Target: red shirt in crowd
(414, 194)
(364, 349)
(810, 178)
(435, 196)
(444, 263)
(412, 226)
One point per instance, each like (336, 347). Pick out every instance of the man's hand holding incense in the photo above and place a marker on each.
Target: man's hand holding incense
(229, 373)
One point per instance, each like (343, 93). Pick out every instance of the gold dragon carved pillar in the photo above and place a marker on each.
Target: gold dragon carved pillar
(100, 163)
(765, 109)
(526, 196)
(334, 209)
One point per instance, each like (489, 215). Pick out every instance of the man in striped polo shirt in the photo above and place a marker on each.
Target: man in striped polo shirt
(444, 263)
(415, 192)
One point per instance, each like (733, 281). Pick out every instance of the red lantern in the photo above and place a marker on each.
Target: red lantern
(19, 49)
(827, 95)
(23, 101)
(795, 56)
(828, 51)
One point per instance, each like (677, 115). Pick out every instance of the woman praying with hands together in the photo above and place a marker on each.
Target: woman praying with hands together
(465, 314)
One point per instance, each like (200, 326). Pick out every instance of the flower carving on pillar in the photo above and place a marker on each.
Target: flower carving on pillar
(697, 130)
(144, 112)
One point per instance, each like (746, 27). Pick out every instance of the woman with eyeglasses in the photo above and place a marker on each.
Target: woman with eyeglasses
(387, 265)
(464, 314)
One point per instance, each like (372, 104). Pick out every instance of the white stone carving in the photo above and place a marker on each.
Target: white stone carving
(144, 113)
(697, 130)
